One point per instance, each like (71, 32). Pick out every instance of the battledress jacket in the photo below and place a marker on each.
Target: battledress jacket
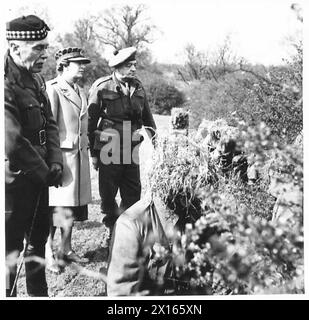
(139, 233)
(70, 111)
(27, 113)
(108, 102)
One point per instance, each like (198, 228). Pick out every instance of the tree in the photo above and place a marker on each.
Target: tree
(209, 65)
(125, 27)
(196, 63)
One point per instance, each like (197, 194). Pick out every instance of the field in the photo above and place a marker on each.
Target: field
(89, 240)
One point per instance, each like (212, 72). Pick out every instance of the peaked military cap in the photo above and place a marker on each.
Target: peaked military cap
(27, 28)
(71, 54)
(122, 56)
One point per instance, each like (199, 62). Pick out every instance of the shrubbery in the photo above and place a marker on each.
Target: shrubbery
(179, 118)
(233, 247)
(163, 96)
(254, 94)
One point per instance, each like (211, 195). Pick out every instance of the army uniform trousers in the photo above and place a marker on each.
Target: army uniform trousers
(27, 217)
(126, 178)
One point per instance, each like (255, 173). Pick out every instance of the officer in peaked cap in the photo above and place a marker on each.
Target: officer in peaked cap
(73, 54)
(69, 106)
(33, 159)
(120, 105)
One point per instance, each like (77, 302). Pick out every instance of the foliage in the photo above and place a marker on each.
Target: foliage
(125, 27)
(180, 118)
(233, 247)
(163, 97)
(211, 65)
(233, 252)
(255, 94)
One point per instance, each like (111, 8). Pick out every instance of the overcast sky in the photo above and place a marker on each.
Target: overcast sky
(258, 28)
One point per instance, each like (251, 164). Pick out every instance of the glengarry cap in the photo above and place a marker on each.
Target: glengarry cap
(27, 28)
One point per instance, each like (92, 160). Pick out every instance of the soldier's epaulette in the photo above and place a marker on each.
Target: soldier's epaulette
(102, 80)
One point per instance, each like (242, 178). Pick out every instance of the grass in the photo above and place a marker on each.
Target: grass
(89, 238)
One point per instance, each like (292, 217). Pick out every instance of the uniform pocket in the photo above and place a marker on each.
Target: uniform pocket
(113, 103)
(33, 118)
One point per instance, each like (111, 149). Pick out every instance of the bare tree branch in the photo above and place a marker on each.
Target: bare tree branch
(126, 26)
(182, 76)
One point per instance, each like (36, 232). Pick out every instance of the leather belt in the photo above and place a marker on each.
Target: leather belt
(38, 138)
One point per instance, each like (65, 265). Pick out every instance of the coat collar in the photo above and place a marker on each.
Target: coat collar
(69, 92)
(118, 85)
(17, 75)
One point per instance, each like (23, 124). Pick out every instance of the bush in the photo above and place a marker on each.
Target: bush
(163, 97)
(233, 247)
(271, 95)
(180, 118)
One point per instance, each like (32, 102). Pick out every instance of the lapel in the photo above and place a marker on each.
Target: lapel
(84, 105)
(132, 89)
(69, 92)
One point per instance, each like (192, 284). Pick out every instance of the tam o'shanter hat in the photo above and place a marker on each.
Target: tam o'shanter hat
(122, 56)
(26, 28)
(71, 54)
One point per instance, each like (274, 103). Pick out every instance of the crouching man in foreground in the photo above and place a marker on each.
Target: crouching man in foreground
(140, 233)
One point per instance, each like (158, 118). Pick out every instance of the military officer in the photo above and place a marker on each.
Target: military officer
(69, 107)
(33, 159)
(118, 108)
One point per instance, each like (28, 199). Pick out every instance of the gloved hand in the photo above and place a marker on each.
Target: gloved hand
(54, 175)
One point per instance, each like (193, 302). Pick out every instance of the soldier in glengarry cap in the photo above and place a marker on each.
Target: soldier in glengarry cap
(33, 159)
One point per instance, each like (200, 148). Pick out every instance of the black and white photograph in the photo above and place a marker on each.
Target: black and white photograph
(153, 149)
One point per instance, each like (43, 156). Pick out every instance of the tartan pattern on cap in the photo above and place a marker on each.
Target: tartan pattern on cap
(28, 27)
(27, 35)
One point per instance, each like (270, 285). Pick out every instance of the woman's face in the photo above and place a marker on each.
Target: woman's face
(75, 70)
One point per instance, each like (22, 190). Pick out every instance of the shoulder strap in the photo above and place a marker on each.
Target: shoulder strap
(103, 79)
